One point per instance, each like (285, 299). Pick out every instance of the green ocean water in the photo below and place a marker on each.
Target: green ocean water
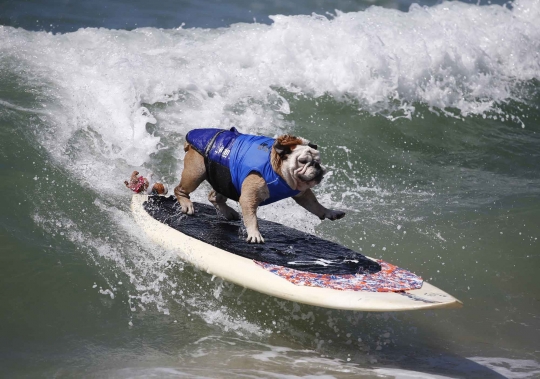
(427, 118)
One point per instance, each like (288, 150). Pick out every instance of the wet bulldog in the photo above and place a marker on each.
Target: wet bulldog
(253, 170)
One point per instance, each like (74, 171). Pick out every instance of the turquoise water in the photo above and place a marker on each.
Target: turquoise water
(427, 116)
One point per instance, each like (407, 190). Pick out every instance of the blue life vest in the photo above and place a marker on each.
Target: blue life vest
(230, 157)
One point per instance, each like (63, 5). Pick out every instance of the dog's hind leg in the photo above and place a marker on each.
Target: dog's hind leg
(219, 202)
(193, 175)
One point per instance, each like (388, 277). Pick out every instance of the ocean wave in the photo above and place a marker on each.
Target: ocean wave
(129, 92)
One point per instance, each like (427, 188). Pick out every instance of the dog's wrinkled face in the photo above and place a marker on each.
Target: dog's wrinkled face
(305, 164)
(300, 162)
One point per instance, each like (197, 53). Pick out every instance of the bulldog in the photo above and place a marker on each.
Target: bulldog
(253, 170)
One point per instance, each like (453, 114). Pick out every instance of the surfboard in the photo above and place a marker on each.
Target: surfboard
(291, 265)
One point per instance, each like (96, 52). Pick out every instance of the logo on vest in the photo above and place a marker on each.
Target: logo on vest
(264, 146)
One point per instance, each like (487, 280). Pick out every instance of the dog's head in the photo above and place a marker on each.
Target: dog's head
(298, 162)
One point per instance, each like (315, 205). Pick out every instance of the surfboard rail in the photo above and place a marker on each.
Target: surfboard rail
(246, 273)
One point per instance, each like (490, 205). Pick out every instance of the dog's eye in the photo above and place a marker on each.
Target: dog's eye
(303, 160)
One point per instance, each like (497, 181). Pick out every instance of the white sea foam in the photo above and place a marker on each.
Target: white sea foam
(215, 354)
(101, 83)
(229, 323)
(510, 368)
(219, 356)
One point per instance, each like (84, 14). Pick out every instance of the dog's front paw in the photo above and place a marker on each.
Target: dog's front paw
(254, 237)
(186, 206)
(333, 215)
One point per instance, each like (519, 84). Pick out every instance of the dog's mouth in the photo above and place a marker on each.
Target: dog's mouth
(312, 180)
(315, 175)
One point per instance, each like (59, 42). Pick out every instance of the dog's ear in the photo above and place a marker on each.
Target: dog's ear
(281, 150)
(285, 144)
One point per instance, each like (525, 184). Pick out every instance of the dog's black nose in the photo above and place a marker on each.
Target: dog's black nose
(317, 165)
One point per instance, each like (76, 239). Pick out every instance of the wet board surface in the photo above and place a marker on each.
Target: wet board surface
(283, 246)
(291, 264)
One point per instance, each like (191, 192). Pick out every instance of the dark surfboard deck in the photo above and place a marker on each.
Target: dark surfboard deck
(283, 246)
